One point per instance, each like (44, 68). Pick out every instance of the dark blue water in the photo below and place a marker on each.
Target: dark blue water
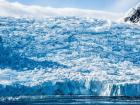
(70, 100)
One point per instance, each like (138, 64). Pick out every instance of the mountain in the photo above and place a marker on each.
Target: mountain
(133, 15)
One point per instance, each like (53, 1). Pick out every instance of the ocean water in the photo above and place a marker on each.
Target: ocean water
(69, 100)
(69, 56)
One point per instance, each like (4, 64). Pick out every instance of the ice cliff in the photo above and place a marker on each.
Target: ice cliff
(69, 56)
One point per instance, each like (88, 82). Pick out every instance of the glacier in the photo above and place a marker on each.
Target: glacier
(69, 56)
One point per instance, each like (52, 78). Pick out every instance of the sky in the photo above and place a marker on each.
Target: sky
(108, 9)
(104, 5)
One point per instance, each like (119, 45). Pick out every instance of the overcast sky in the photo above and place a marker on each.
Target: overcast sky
(105, 5)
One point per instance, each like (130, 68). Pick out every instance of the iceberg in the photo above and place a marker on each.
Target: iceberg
(69, 56)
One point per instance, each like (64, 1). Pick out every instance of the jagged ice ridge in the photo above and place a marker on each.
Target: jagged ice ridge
(69, 56)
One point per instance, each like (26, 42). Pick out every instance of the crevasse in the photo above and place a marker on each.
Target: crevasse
(69, 56)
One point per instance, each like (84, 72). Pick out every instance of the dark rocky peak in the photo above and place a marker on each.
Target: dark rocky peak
(133, 15)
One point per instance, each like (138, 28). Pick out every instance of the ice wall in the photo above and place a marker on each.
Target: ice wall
(68, 56)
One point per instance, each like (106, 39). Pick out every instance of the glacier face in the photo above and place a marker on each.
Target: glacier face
(69, 56)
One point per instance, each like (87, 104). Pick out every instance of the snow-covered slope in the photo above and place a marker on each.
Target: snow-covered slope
(69, 55)
(133, 15)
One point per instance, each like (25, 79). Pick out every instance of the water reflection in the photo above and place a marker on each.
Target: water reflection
(69, 100)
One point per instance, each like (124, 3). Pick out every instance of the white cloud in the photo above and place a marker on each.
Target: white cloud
(16, 9)
(124, 5)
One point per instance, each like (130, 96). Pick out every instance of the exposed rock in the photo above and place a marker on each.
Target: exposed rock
(133, 15)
